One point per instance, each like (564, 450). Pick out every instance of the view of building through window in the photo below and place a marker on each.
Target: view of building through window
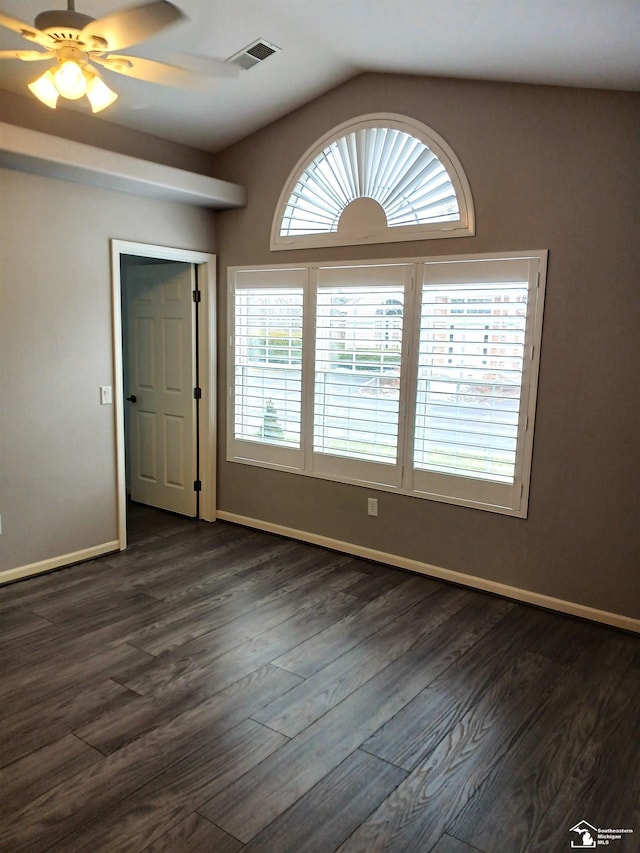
(468, 389)
(268, 365)
(417, 375)
(357, 371)
(469, 378)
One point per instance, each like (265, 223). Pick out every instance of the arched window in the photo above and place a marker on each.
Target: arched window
(375, 179)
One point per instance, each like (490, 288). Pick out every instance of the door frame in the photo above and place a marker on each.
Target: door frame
(205, 265)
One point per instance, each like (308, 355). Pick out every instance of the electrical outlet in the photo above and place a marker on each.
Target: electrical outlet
(372, 506)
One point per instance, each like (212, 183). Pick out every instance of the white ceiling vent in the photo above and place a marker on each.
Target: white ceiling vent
(253, 54)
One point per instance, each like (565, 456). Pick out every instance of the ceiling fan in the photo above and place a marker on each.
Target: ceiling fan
(78, 42)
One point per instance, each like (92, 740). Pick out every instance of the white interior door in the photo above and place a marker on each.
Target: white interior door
(161, 410)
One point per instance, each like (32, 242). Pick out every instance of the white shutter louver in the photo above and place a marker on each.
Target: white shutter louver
(358, 366)
(403, 168)
(268, 365)
(357, 372)
(266, 316)
(393, 168)
(469, 379)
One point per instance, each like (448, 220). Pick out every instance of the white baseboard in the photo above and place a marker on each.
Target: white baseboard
(571, 608)
(59, 562)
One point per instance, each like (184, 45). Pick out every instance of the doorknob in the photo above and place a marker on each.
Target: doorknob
(132, 399)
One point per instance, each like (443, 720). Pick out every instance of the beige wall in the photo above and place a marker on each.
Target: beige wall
(26, 111)
(58, 488)
(549, 168)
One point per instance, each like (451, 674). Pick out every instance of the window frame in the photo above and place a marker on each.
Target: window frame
(463, 227)
(476, 493)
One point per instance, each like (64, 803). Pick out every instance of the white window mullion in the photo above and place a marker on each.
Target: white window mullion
(308, 367)
(409, 385)
(407, 379)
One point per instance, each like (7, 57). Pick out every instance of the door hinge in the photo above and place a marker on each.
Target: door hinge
(197, 485)
(197, 393)
(197, 296)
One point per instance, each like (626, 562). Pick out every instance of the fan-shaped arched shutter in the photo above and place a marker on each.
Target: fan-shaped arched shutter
(375, 179)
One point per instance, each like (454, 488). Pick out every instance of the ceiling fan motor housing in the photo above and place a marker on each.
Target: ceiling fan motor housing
(63, 24)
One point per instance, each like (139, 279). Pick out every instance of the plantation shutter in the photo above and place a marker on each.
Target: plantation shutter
(411, 185)
(417, 376)
(358, 371)
(386, 164)
(267, 361)
(472, 391)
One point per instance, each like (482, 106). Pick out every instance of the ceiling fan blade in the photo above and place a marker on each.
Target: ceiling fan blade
(27, 31)
(28, 55)
(205, 66)
(131, 26)
(148, 70)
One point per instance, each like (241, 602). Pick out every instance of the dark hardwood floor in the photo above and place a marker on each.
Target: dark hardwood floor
(220, 689)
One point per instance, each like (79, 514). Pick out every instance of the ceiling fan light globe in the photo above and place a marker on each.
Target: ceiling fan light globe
(100, 96)
(44, 89)
(70, 80)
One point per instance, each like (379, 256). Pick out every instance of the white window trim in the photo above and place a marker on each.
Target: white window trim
(463, 227)
(337, 469)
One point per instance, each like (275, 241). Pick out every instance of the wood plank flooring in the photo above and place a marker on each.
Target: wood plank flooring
(219, 689)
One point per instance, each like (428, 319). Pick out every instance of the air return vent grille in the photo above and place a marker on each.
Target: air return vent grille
(253, 54)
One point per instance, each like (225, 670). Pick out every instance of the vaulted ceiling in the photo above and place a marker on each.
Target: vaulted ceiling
(585, 43)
